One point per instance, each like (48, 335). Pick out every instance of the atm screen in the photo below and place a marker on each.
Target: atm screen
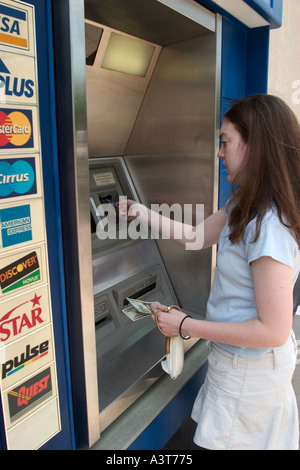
(108, 182)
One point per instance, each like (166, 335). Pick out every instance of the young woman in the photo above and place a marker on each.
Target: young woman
(247, 400)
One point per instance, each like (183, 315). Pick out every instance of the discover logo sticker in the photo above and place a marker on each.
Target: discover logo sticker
(20, 273)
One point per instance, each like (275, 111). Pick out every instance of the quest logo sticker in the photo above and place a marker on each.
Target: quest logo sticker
(16, 129)
(15, 225)
(17, 177)
(29, 394)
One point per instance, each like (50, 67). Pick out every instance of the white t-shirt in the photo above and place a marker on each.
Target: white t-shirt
(232, 295)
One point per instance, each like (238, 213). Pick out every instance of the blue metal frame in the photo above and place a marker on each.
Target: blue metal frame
(245, 58)
(244, 71)
(271, 10)
(64, 440)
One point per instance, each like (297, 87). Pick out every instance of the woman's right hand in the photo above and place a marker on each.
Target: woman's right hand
(130, 209)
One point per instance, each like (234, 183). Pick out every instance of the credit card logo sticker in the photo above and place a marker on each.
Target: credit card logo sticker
(24, 397)
(13, 87)
(13, 26)
(21, 319)
(27, 357)
(22, 272)
(15, 225)
(16, 129)
(17, 177)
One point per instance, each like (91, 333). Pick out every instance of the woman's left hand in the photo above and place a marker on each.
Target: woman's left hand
(168, 322)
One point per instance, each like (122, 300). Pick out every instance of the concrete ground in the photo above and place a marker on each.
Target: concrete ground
(183, 439)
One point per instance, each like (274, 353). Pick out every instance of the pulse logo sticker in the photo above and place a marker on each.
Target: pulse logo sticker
(13, 27)
(31, 354)
(16, 129)
(22, 272)
(15, 225)
(17, 177)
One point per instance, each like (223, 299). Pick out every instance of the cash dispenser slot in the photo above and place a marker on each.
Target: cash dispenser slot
(114, 330)
(128, 353)
(140, 293)
(139, 286)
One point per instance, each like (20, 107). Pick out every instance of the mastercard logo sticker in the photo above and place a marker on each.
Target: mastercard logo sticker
(16, 129)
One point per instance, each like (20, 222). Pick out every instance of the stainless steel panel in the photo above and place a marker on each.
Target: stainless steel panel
(151, 19)
(113, 101)
(165, 126)
(68, 22)
(185, 181)
(171, 154)
(127, 352)
(170, 157)
(178, 113)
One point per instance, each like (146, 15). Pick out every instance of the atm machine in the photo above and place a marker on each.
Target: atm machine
(150, 114)
(127, 351)
(146, 117)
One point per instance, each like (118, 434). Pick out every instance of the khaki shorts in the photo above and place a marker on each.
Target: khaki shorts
(248, 403)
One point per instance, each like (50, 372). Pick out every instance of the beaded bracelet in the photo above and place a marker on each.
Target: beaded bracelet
(180, 326)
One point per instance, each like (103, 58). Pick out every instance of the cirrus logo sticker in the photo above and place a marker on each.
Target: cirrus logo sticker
(17, 177)
(15, 129)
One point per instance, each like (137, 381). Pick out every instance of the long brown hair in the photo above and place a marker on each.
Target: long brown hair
(271, 174)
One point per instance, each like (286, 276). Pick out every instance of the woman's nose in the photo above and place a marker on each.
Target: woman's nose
(220, 153)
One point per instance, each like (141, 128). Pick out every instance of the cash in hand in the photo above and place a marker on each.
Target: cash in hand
(138, 309)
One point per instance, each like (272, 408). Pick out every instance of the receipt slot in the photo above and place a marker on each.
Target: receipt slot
(128, 353)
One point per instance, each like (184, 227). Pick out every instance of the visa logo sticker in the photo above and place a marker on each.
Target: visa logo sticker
(15, 225)
(16, 128)
(13, 26)
(17, 177)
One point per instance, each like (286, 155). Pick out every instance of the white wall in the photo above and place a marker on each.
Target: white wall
(284, 61)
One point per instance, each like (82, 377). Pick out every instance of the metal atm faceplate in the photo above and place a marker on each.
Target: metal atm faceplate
(127, 352)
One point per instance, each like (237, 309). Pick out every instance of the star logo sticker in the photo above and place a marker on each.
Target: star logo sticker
(35, 301)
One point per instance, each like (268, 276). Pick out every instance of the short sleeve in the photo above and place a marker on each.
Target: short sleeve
(275, 240)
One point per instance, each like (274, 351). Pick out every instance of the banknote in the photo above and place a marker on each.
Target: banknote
(141, 305)
(138, 309)
(133, 314)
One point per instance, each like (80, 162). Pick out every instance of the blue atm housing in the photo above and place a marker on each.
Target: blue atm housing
(245, 54)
